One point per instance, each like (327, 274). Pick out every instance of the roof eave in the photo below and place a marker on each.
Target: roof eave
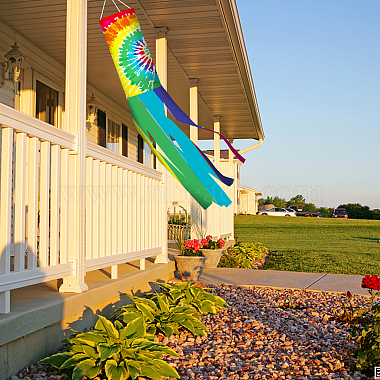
(231, 18)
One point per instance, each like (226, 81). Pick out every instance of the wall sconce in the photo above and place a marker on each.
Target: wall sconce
(92, 110)
(10, 70)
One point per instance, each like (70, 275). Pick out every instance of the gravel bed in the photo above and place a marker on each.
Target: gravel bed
(257, 339)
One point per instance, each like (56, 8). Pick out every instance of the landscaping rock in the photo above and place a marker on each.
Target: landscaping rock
(260, 337)
(256, 339)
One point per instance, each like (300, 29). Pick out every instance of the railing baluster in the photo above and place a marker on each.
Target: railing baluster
(130, 190)
(89, 208)
(33, 184)
(155, 221)
(114, 211)
(142, 223)
(149, 212)
(102, 213)
(96, 209)
(125, 215)
(120, 231)
(64, 208)
(134, 199)
(19, 202)
(108, 209)
(54, 206)
(44, 204)
(5, 212)
(138, 212)
(114, 217)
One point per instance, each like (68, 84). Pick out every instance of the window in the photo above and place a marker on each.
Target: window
(148, 155)
(113, 136)
(124, 142)
(140, 149)
(154, 157)
(46, 103)
(102, 124)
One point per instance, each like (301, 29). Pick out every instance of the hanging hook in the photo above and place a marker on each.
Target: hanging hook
(104, 4)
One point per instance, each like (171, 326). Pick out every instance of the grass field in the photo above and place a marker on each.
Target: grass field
(320, 245)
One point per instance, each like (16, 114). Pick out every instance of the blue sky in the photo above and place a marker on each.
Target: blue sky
(316, 71)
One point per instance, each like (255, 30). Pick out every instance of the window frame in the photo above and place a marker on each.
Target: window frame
(53, 85)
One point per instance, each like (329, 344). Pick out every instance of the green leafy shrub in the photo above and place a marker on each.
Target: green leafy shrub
(162, 316)
(364, 327)
(243, 255)
(115, 352)
(188, 294)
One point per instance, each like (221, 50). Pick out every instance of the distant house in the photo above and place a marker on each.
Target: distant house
(80, 193)
(249, 200)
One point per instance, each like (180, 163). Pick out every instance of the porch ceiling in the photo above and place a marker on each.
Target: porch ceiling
(204, 41)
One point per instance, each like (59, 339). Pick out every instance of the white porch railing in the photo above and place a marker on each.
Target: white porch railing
(124, 218)
(215, 221)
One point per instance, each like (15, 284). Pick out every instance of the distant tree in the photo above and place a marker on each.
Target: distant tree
(357, 211)
(323, 211)
(279, 202)
(298, 201)
(276, 201)
(310, 207)
(326, 212)
(376, 214)
(265, 201)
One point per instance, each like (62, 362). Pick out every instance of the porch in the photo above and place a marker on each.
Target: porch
(74, 210)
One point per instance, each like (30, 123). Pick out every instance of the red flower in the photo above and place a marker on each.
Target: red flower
(189, 244)
(371, 282)
(197, 246)
(204, 242)
(208, 237)
(221, 242)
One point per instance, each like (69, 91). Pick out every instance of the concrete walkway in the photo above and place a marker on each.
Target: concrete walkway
(339, 283)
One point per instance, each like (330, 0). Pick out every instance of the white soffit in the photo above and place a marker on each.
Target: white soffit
(204, 41)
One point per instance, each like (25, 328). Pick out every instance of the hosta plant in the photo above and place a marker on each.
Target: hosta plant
(188, 294)
(115, 352)
(364, 326)
(243, 255)
(162, 316)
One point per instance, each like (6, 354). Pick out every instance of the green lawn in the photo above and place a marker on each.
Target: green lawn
(321, 245)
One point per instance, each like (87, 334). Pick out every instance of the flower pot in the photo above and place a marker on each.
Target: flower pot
(190, 267)
(213, 257)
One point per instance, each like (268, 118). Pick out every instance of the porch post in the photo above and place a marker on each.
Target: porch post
(232, 188)
(218, 210)
(162, 71)
(194, 206)
(194, 109)
(75, 112)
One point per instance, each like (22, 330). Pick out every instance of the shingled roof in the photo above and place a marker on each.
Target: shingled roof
(223, 153)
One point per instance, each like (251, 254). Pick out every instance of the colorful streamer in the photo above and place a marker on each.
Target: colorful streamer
(146, 99)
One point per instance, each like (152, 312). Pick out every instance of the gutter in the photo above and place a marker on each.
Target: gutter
(251, 147)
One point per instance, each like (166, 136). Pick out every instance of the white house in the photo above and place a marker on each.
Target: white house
(249, 200)
(80, 195)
